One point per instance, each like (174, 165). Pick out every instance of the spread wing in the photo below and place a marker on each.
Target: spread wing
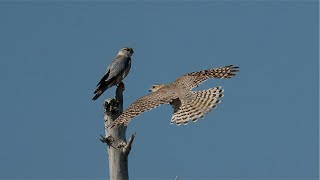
(145, 103)
(193, 79)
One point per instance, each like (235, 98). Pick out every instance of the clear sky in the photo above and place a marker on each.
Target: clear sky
(53, 54)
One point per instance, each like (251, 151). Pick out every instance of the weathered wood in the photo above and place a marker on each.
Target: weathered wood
(117, 146)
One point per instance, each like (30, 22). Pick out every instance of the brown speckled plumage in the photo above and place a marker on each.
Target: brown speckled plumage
(187, 104)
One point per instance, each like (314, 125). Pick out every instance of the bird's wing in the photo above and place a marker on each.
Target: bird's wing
(104, 78)
(118, 66)
(193, 79)
(145, 103)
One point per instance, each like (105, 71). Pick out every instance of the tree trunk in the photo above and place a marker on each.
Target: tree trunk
(117, 146)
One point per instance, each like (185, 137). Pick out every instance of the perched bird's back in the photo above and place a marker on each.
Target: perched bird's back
(116, 71)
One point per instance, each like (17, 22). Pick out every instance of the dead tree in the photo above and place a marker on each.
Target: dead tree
(115, 138)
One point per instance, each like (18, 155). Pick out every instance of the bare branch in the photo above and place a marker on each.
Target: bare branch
(119, 91)
(116, 137)
(108, 140)
(127, 148)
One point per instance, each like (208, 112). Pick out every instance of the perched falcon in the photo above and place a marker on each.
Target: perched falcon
(116, 71)
(187, 104)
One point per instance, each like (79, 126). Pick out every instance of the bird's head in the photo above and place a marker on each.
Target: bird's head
(126, 51)
(156, 87)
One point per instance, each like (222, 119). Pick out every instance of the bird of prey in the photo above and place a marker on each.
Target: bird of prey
(187, 104)
(116, 71)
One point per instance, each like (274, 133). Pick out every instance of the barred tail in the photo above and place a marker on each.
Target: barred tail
(203, 102)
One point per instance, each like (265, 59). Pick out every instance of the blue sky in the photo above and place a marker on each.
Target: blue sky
(53, 54)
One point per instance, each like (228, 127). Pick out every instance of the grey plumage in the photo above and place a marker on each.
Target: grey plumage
(116, 71)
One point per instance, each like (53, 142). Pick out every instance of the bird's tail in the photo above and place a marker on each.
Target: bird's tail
(98, 92)
(103, 86)
(201, 104)
(97, 95)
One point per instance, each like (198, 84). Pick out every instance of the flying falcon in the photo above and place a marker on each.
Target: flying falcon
(187, 104)
(116, 71)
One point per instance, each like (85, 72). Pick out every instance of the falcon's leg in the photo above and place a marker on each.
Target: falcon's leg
(119, 91)
(176, 104)
(120, 85)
